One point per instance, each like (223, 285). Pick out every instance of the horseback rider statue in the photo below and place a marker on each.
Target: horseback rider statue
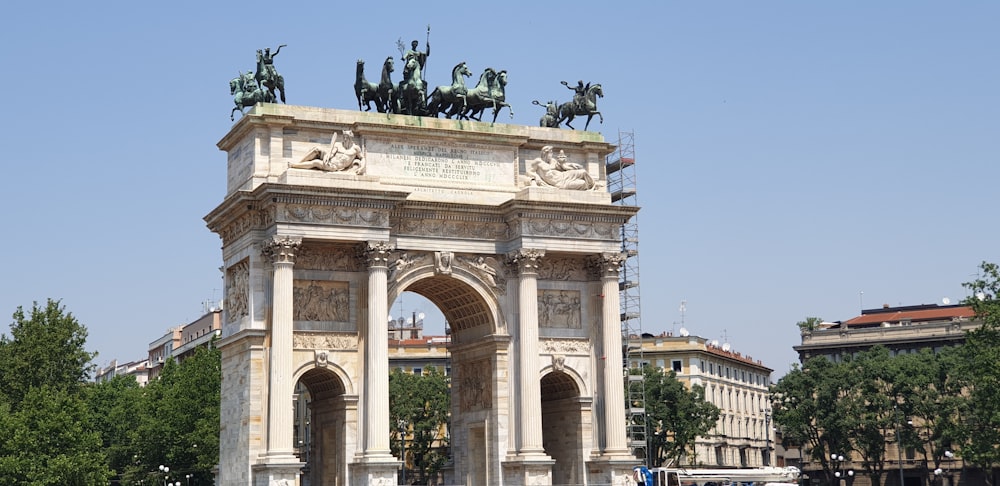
(579, 97)
(267, 76)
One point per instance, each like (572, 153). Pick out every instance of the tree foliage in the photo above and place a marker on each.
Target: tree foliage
(46, 347)
(180, 424)
(980, 373)
(675, 415)
(46, 430)
(421, 404)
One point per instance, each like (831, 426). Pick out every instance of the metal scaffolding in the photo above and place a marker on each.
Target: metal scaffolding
(622, 186)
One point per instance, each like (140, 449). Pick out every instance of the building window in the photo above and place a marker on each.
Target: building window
(659, 364)
(418, 371)
(676, 364)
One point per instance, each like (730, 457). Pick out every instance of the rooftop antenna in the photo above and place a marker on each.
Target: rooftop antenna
(861, 300)
(683, 331)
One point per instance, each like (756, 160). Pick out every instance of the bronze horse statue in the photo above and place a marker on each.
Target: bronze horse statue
(246, 93)
(267, 77)
(492, 95)
(412, 92)
(579, 107)
(386, 88)
(450, 100)
(366, 91)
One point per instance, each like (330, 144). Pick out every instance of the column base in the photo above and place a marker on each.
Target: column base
(528, 468)
(277, 470)
(374, 470)
(614, 469)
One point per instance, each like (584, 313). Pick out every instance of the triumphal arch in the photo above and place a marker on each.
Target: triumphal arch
(510, 230)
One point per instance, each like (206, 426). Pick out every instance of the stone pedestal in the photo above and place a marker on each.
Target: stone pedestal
(277, 470)
(528, 470)
(614, 470)
(375, 471)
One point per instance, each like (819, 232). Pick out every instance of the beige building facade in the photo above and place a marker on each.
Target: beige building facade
(329, 215)
(902, 330)
(736, 384)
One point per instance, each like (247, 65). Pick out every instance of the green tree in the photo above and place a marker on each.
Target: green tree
(675, 415)
(46, 347)
(116, 407)
(808, 405)
(49, 441)
(809, 324)
(46, 431)
(180, 425)
(422, 404)
(981, 374)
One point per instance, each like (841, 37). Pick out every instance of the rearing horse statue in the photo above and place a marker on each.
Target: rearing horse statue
(268, 77)
(587, 106)
(412, 90)
(366, 91)
(445, 97)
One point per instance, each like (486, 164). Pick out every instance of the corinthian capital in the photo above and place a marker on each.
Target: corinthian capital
(525, 260)
(282, 248)
(608, 264)
(377, 253)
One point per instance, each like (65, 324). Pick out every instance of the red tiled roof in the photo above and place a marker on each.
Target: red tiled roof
(914, 315)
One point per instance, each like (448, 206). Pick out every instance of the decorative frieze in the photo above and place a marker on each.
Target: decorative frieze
(439, 226)
(321, 341)
(321, 300)
(564, 228)
(335, 215)
(563, 268)
(564, 346)
(329, 258)
(253, 219)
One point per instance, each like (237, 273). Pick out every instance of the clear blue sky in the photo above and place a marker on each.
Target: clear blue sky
(794, 158)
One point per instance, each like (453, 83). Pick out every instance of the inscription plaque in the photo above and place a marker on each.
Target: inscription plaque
(449, 162)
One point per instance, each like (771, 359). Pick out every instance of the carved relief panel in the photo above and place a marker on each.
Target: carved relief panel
(320, 300)
(238, 290)
(559, 309)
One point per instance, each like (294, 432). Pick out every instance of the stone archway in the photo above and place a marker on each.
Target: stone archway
(459, 213)
(323, 429)
(478, 352)
(564, 425)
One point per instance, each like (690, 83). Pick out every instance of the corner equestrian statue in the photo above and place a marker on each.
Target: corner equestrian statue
(246, 93)
(584, 103)
(551, 117)
(267, 76)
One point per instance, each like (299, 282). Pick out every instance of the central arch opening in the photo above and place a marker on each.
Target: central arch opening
(430, 318)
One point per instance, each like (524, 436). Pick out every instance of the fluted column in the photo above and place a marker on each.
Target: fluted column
(529, 394)
(609, 265)
(376, 406)
(281, 250)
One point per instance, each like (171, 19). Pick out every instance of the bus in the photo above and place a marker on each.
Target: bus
(763, 476)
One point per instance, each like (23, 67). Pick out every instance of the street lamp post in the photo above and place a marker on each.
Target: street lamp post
(164, 470)
(402, 436)
(767, 436)
(838, 462)
(945, 473)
